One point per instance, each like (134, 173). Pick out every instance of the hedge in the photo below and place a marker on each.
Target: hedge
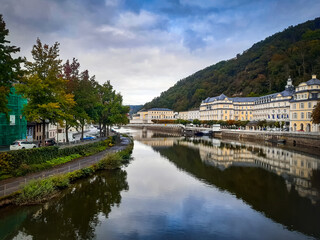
(10, 161)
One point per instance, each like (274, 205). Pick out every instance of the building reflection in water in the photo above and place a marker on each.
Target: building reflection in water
(297, 169)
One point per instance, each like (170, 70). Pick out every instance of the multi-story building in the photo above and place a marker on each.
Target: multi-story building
(153, 114)
(304, 99)
(274, 107)
(189, 115)
(160, 114)
(225, 108)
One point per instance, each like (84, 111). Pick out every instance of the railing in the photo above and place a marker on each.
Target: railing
(11, 187)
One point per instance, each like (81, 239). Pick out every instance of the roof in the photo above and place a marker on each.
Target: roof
(313, 81)
(287, 93)
(236, 99)
(244, 99)
(160, 109)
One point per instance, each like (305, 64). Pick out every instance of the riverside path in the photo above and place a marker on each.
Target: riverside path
(11, 185)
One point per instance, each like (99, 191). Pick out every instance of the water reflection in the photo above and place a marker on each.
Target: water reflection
(75, 215)
(288, 192)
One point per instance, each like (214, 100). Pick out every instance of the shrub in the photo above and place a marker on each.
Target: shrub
(6, 163)
(36, 191)
(61, 181)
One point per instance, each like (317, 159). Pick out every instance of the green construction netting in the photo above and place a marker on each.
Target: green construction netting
(16, 127)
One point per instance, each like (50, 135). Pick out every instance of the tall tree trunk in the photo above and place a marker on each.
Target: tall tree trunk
(43, 143)
(108, 131)
(82, 131)
(104, 130)
(100, 129)
(67, 128)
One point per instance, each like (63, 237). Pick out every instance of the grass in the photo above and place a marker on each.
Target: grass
(38, 191)
(17, 168)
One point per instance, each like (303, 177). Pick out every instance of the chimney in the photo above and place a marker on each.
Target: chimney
(314, 76)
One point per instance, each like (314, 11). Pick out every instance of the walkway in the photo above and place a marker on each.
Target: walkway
(11, 185)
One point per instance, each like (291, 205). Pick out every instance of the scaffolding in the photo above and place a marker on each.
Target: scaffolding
(14, 127)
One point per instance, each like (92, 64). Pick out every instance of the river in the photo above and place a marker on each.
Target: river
(184, 188)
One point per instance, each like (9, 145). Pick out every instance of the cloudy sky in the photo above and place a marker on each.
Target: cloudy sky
(145, 46)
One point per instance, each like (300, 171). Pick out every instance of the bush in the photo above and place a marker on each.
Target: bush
(23, 161)
(36, 191)
(61, 181)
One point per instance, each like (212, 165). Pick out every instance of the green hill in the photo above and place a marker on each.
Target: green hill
(262, 69)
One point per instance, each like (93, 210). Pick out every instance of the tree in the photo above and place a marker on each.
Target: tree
(71, 74)
(44, 87)
(315, 116)
(85, 96)
(110, 109)
(10, 70)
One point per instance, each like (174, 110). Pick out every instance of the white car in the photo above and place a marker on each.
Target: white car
(16, 145)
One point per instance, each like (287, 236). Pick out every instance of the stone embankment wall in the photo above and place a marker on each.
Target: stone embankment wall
(289, 139)
(158, 127)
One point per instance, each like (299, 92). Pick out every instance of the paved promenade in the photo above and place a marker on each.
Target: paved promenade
(11, 185)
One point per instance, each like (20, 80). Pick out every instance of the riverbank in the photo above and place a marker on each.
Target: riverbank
(9, 188)
(306, 142)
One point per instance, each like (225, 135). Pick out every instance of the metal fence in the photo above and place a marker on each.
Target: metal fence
(11, 187)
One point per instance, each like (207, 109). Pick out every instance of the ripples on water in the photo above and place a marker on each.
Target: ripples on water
(177, 188)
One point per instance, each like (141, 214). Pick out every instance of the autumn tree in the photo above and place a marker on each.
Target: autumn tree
(44, 87)
(9, 67)
(315, 116)
(72, 75)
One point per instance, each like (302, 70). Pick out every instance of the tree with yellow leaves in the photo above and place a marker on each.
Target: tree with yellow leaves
(44, 87)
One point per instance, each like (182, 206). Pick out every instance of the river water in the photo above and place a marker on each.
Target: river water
(184, 188)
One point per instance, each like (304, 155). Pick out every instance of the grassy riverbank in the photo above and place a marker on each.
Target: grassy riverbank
(38, 191)
(22, 162)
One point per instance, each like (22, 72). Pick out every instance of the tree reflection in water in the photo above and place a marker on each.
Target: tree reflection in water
(76, 214)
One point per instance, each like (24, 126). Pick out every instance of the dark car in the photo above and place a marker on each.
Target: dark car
(50, 142)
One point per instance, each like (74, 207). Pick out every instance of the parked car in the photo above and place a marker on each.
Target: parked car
(22, 144)
(88, 138)
(50, 142)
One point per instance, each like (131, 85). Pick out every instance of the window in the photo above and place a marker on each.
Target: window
(302, 115)
(309, 104)
(301, 105)
(294, 115)
(294, 106)
(308, 115)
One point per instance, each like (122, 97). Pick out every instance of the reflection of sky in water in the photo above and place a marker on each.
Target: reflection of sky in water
(163, 203)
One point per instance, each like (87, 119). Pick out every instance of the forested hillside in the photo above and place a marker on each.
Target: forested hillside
(262, 69)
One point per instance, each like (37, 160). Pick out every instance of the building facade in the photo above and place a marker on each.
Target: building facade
(152, 115)
(189, 115)
(305, 98)
(225, 108)
(274, 107)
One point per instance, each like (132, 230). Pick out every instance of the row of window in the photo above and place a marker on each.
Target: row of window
(302, 115)
(301, 105)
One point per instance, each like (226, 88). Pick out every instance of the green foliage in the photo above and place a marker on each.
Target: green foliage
(196, 122)
(315, 116)
(10, 70)
(37, 191)
(260, 70)
(24, 161)
(60, 181)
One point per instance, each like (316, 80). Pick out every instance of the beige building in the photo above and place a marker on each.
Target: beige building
(189, 115)
(225, 108)
(153, 114)
(274, 107)
(140, 117)
(304, 100)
